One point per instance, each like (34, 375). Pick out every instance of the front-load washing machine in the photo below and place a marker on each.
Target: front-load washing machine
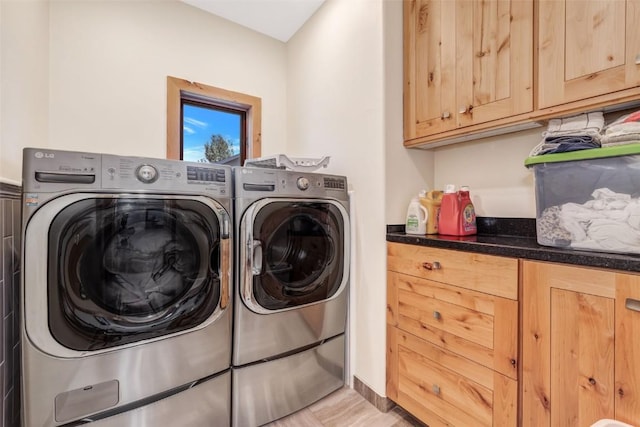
(291, 291)
(125, 291)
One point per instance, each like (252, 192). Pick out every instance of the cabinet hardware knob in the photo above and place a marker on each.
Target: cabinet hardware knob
(632, 304)
(466, 109)
(445, 115)
(436, 389)
(637, 58)
(431, 265)
(437, 315)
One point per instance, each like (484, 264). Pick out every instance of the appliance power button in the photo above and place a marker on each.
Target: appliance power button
(303, 183)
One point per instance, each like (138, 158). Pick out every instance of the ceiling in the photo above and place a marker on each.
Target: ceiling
(279, 19)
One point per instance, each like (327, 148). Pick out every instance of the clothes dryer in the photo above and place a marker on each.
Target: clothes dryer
(125, 290)
(291, 291)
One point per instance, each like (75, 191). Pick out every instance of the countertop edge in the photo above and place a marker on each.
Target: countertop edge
(523, 248)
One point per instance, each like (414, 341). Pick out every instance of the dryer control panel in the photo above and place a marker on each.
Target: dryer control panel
(261, 182)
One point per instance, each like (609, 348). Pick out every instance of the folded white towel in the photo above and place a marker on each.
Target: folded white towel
(622, 128)
(621, 133)
(624, 139)
(587, 121)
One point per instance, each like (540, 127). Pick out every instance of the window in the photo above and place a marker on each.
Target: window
(209, 124)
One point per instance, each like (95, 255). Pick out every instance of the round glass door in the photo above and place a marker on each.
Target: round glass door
(301, 256)
(127, 269)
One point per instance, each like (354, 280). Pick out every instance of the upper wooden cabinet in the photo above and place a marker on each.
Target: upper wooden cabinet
(465, 62)
(586, 49)
(474, 67)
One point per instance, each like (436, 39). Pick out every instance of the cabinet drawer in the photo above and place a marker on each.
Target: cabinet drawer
(480, 327)
(484, 273)
(443, 388)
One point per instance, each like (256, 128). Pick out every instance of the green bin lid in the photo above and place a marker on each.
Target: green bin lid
(591, 153)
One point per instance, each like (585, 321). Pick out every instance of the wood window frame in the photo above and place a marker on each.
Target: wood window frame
(177, 89)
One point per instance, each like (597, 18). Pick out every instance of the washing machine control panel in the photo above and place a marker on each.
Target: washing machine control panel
(136, 173)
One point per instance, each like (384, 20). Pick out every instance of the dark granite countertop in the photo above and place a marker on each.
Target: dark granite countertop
(515, 238)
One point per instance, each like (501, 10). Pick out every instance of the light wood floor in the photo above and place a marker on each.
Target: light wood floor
(346, 408)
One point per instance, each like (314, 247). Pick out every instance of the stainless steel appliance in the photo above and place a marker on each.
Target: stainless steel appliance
(125, 291)
(291, 291)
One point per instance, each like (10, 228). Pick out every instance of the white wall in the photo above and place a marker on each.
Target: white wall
(335, 108)
(24, 55)
(494, 170)
(345, 100)
(406, 171)
(103, 65)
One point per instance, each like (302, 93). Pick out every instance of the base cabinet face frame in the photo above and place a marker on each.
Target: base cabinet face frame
(578, 334)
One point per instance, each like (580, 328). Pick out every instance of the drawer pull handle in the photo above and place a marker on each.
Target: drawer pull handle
(431, 265)
(632, 304)
(436, 389)
(437, 315)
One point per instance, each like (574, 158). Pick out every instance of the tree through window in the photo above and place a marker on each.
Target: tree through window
(208, 124)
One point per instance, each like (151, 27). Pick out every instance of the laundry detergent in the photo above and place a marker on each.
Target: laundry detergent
(431, 201)
(457, 214)
(416, 221)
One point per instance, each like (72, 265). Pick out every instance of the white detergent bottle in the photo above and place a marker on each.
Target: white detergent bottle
(417, 215)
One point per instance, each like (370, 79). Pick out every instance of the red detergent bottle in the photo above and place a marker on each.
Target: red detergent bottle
(457, 214)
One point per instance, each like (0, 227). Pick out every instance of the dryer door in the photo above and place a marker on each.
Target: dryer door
(296, 253)
(126, 269)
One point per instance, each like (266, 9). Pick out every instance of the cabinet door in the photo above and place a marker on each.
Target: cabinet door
(587, 48)
(442, 388)
(568, 345)
(627, 388)
(494, 61)
(465, 62)
(429, 67)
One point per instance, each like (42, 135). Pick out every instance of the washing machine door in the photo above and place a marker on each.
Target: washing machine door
(125, 269)
(295, 252)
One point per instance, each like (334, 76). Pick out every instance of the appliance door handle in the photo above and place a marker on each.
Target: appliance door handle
(224, 273)
(255, 256)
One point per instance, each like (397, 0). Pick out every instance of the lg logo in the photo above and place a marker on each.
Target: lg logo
(40, 155)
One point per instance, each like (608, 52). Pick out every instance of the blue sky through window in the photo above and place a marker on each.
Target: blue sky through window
(199, 123)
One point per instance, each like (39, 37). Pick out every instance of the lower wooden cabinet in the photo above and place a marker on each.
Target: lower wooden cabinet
(581, 345)
(461, 353)
(452, 348)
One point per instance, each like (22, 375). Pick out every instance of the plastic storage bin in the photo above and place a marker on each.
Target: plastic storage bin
(589, 199)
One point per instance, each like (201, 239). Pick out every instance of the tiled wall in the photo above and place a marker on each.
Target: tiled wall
(9, 295)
